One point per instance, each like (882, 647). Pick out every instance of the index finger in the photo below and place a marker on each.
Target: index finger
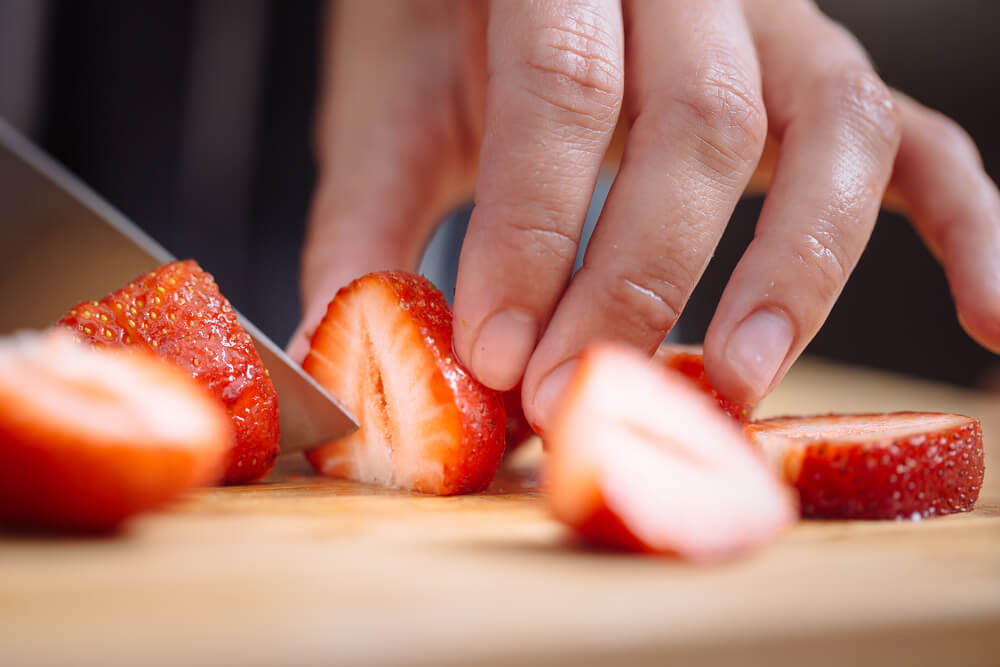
(552, 103)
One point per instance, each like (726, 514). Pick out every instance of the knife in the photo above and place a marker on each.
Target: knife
(61, 244)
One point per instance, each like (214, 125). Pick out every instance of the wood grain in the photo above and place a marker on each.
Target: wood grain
(305, 571)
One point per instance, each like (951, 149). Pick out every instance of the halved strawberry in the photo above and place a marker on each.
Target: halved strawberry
(641, 460)
(178, 313)
(877, 466)
(90, 437)
(687, 360)
(384, 349)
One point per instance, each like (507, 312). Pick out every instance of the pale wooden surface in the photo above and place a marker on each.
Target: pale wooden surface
(312, 572)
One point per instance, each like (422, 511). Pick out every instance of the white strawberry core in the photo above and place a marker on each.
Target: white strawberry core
(105, 396)
(403, 426)
(378, 362)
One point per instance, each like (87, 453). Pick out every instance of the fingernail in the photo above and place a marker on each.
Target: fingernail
(758, 347)
(551, 390)
(502, 349)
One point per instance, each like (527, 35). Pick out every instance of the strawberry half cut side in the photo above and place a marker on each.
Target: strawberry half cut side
(384, 349)
(877, 466)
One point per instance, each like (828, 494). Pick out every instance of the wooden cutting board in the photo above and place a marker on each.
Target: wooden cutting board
(303, 571)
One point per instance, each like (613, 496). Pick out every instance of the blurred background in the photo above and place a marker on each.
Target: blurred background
(193, 117)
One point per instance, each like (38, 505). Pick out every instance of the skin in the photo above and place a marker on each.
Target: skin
(699, 101)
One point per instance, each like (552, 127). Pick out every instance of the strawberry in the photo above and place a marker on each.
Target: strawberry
(90, 437)
(877, 466)
(641, 460)
(687, 360)
(518, 429)
(178, 313)
(384, 349)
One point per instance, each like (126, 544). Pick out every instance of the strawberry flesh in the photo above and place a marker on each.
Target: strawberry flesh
(688, 361)
(384, 349)
(640, 460)
(877, 466)
(178, 313)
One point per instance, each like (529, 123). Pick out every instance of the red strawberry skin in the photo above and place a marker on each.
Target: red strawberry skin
(925, 474)
(687, 360)
(444, 434)
(178, 313)
(603, 528)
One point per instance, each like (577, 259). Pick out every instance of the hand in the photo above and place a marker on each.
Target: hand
(423, 100)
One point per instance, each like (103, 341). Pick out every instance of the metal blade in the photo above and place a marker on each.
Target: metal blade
(61, 244)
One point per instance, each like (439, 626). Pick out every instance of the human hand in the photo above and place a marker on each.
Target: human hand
(422, 100)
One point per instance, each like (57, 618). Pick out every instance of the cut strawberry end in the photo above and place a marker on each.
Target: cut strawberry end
(97, 395)
(638, 457)
(91, 437)
(877, 466)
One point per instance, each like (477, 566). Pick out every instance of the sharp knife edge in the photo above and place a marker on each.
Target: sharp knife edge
(309, 415)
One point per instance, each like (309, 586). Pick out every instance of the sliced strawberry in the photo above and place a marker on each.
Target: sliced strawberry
(641, 460)
(687, 360)
(877, 466)
(518, 429)
(178, 313)
(91, 437)
(384, 349)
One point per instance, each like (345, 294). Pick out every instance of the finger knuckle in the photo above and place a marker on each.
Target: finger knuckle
(538, 233)
(825, 257)
(864, 101)
(649, 296)
(576, 67)
(725, 113)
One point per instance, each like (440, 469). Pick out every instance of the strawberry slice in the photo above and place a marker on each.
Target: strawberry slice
(641, 460)
(877, 466)
(178, 313)
(90, 437)
(384, 349)
(687, 360)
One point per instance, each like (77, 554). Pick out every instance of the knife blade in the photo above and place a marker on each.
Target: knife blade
(61, 244)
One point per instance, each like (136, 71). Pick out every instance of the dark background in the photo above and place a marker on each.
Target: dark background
(194, 118)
